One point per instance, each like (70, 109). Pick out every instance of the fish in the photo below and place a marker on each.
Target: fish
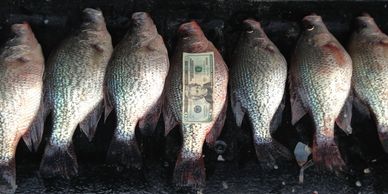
(320, 82)
(21, 85)
(134, 87)
(368, 48)
(257, 84)
(73, 92)
(189, 168)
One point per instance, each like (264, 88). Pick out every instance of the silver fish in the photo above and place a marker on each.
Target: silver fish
(73, 88)
(257, 83)
(369, 51)
(189, 169)
(21, 83)
(134, 85)
(320, 77)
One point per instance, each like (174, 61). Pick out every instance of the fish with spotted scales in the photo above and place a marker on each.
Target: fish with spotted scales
(134, 87)
(21, 83)
(189, 169)
(73, 92)
(320, 78)
(369, 51)
(257, 83)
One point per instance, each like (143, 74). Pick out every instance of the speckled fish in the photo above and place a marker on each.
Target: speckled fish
(320, 78)
(73, 88)
(369, 51)
(21, 83)
(257, 83)
(189, 169)
(134, 84)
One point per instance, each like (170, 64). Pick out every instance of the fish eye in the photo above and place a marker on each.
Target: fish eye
(249, 30)
(310, 27)
(185, 36)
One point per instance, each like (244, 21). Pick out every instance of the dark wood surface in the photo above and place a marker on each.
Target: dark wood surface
(52, 20)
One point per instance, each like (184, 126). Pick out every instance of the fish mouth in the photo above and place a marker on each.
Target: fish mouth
(365, 17)
(143, 25)
(190, 29)
(312, 18)
(140, 18)
(250, 25)
(21, 29)
(93, 15)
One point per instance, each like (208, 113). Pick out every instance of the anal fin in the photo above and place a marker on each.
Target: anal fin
(90, 122)
(148, 123)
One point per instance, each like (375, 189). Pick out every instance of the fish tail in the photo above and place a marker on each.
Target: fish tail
(189, 173)
(383, 136)
(269, 151)
(124, 153)
(7, 177)
(59, 161)
(325, 151)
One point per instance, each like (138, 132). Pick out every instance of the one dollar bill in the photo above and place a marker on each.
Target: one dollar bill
(198, 70)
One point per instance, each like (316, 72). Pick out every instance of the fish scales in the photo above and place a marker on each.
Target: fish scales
(189, 169)
(74, 90)
(21, 83)
(320, 78)
(134, 82)
(258, 79)
(369, 51)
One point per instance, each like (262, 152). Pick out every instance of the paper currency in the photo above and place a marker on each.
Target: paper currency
(197, 79)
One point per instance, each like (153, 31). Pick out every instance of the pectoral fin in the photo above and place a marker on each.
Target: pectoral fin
(169, 119)
(278, 116)
(237, 109)
(34, 135)
(344, 119)
(215, 132)
(297, 108)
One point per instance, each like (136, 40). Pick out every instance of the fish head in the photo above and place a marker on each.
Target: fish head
(253, 29)
(315, 31)
(365, 24)
(191, 35)
(142, 26)
(21, 29)
(23, 34)
(313, 25)
(254, 34)
(93, 18)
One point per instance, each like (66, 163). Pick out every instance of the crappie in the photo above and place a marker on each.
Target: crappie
(21, 83)
(320, 78)
(73, 89)
(134, 84)
(189, 169)
(257, 83)
(369, 51)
